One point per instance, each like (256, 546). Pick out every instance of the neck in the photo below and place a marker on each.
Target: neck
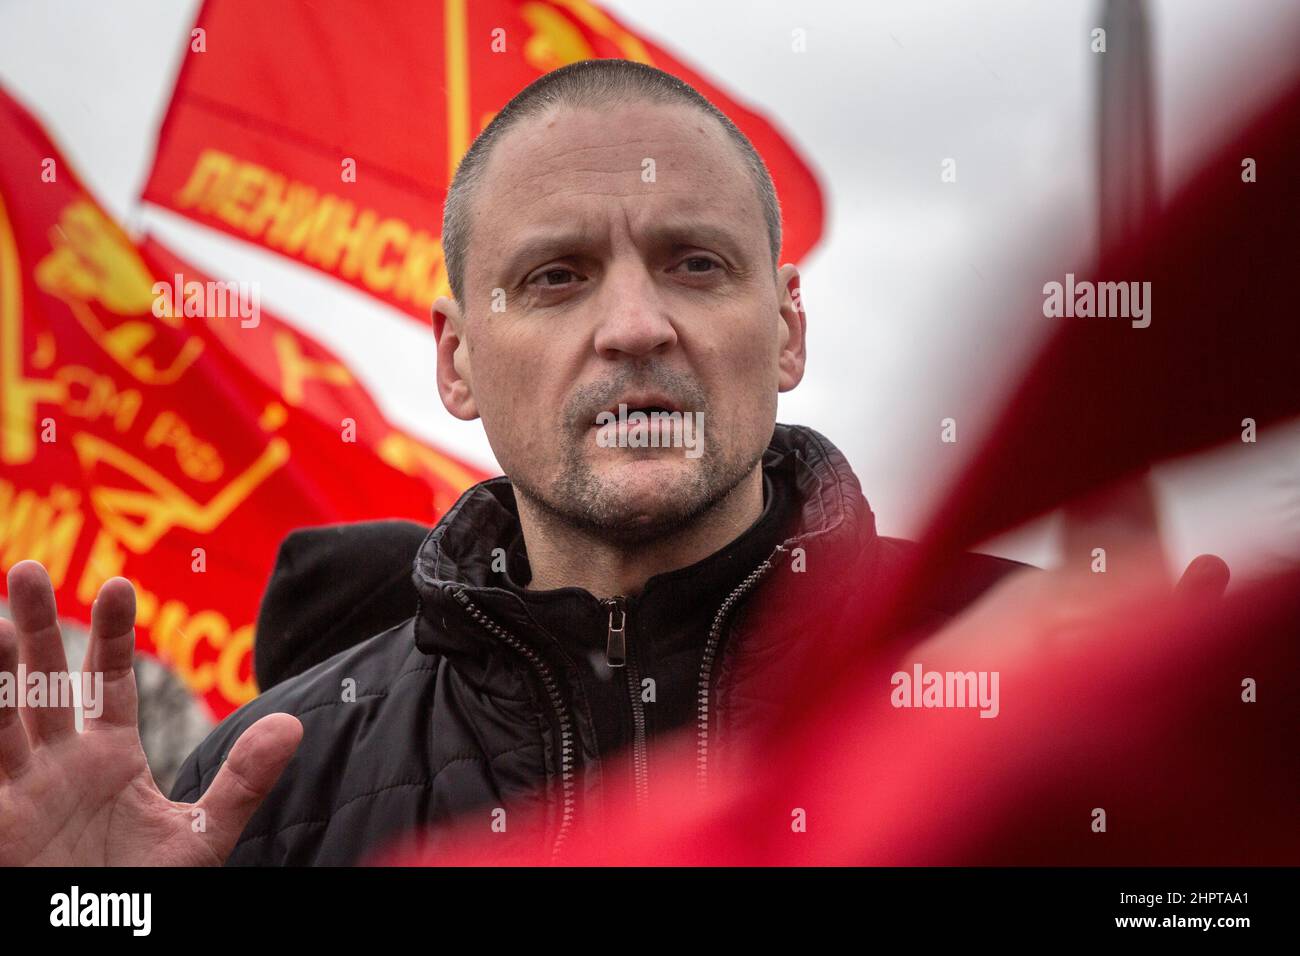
(561, 555)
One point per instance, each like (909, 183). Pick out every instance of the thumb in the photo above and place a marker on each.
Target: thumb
(1205, 578)
(254, 765)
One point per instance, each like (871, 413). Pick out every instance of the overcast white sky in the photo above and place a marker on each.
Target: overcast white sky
(903, 293)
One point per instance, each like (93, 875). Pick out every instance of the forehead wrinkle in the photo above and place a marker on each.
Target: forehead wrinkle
(524, 191)
(524, 203)
(561, 162)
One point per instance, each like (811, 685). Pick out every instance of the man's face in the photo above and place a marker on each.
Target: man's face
(620, 257)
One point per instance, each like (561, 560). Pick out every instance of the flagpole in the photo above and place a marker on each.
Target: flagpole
(457, 42)
(1126, 139)
(1123, 518)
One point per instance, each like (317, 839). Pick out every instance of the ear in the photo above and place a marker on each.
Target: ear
(793, 328)
(454, 387)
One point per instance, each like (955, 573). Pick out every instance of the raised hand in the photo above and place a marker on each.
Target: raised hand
(70, 798)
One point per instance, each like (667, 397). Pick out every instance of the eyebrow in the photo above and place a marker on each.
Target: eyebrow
(696, 233)
(671, 234)
(542, 246)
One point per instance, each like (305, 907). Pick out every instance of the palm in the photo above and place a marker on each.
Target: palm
(70, 798)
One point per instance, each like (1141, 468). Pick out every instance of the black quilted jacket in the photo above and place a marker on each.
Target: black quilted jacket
(471, 706)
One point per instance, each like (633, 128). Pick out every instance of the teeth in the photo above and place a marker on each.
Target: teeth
(641, 408)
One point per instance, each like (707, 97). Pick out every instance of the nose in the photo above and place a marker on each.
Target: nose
(634, 316)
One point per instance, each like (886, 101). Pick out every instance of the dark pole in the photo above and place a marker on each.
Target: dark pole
(1123, 518)
(1126, 137)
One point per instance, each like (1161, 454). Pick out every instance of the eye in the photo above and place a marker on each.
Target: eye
(553, 277)
(699, 264)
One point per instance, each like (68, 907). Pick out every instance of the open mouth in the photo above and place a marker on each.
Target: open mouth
(648, 404)
(649, 421)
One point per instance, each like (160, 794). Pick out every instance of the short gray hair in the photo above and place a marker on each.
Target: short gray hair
(589, 83)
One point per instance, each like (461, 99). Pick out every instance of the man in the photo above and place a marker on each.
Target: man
(611, 243)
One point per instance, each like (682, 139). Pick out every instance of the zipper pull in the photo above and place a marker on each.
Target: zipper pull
(616, 642)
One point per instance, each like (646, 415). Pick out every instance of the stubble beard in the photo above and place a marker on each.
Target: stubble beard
(608, 509)
(613, 510)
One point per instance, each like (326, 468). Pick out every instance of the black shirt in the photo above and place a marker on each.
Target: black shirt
(667, 624)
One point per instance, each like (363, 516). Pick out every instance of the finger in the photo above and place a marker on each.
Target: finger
(1206, 578)
(40, 649)
(14, 750)
(255, 763)
(1117, 528)
(109, 656)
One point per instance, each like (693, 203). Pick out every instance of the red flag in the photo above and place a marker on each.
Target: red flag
(148, 434)
(329, 132)
(1142, 716)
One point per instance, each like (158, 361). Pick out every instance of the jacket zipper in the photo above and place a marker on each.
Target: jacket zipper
(616, 648)
(617, 655)
(547, 678)
(706, 667)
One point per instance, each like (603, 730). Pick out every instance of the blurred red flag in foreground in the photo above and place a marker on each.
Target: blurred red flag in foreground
(293, 125)
(173, 449)
(1130, 724)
